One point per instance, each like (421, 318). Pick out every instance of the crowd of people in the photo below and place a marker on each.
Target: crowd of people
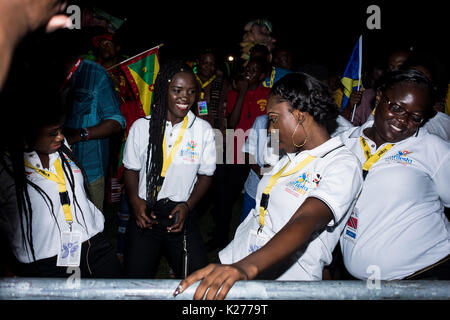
(313, 174)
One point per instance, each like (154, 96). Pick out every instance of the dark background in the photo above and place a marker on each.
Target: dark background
(321, 32)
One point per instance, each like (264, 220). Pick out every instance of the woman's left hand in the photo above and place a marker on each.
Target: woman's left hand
(182, 211)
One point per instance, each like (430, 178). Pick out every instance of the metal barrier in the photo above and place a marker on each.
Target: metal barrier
(137, 289)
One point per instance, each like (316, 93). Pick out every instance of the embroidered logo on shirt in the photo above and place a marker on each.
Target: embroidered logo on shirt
(72, 165)
(400, 157)
(262, 103)
(299, 186)
(189, 152)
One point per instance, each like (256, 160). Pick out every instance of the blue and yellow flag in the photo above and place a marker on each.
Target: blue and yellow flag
(351, 79)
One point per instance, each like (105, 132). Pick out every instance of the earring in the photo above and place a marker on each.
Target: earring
(306, 136)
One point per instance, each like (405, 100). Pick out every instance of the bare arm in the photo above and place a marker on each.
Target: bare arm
(235, 115)
(22, 16)
(312, 216)
(103, 130)
(138, 205)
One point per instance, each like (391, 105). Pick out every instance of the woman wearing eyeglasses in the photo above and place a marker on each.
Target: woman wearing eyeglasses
(398, 226)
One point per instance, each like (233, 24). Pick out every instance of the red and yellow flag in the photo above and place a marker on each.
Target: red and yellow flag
(141, 72)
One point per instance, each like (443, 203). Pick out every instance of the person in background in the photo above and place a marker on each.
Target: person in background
(244, 104)
(213, 91)
(276, 66)
(398, 223)
(364, 99)
(434, 70)
(93, 113)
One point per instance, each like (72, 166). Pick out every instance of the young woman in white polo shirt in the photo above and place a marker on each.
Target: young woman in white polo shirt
(398, 228)
(169, 158)
(301, 205)
(45, 212)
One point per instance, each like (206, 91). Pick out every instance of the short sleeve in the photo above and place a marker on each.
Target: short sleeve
(208, 159)
(134, 145)
(109, 107)
(441, 178)
(340, 184)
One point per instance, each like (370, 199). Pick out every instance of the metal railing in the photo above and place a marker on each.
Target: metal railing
(137, 289)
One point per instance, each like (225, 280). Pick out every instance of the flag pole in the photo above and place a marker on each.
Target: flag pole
(359, 74)
(158, 46)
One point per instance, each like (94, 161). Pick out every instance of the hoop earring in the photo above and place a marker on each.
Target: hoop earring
(306, 136)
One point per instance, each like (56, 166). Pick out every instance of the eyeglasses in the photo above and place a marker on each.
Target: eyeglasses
(400, 111)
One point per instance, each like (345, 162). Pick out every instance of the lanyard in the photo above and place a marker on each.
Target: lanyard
(371, 159)
(61, 181)
(272, 77)
(265, 196)
(204, 85)
(168, 160)
(72, 71)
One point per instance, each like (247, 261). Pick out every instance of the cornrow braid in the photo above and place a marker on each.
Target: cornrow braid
(307, 94)
(157, 128)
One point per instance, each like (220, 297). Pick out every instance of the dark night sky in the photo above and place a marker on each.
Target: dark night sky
(317, 31)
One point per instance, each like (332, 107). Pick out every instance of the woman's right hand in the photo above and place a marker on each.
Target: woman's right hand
(215, 277)
(140, 213)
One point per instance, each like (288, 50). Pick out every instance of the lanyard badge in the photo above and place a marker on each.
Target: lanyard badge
(372, 159)
(70, 253)
(264, 203)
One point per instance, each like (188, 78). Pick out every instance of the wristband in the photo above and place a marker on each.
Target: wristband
(84, 134)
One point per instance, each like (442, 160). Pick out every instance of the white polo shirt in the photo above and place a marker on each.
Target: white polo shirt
(439, 125)
(398, 223)
(195, 155)
(47, 228)
(335, 179)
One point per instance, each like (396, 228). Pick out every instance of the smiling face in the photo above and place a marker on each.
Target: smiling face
(253, 72)
(182, 91)
(399, 112)
(282, 118)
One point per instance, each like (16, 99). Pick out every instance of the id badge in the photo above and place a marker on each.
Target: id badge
(202, 108)
(256, 240)
(70, 253)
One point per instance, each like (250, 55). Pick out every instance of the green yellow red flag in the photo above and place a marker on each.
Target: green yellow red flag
(141, 71)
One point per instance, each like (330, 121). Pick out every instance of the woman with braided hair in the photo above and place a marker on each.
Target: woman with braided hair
(46, 215)
(302, 204)
(169, 159)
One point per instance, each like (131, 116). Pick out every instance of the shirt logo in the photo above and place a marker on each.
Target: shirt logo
(352, 226)
(401, 157)
(74, 167)
(299, 186)
(262, 103)
(190, 153)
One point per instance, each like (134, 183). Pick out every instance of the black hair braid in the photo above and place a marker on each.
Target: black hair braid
(307, 94)
(69, 174)
(157, 128)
